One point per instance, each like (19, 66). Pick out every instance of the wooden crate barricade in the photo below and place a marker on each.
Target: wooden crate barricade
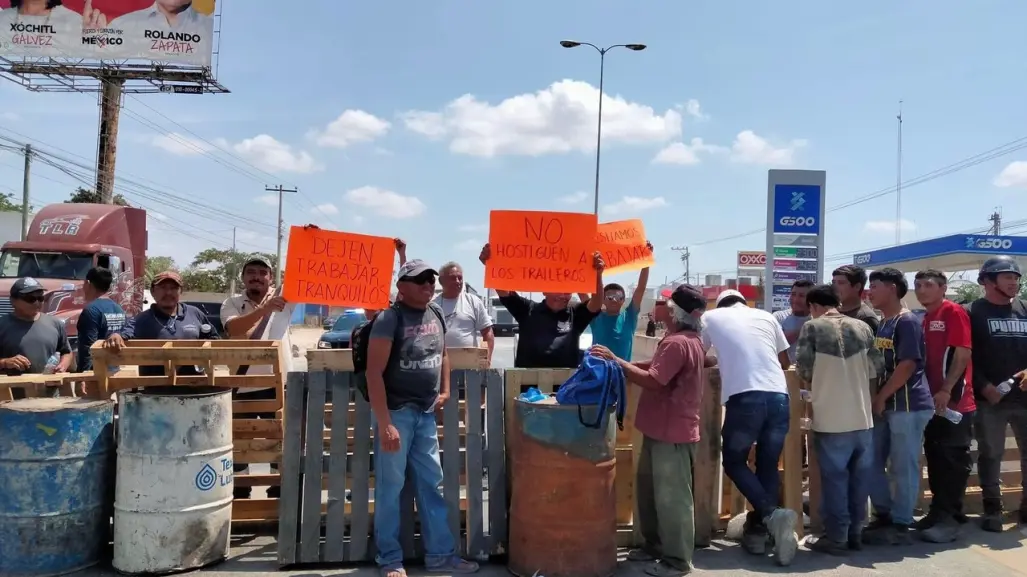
(31, 386)
(256, 441)
(328, 467)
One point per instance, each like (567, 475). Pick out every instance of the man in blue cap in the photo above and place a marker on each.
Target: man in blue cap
(31, 342)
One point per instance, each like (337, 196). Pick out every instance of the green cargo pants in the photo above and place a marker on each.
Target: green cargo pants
(663, 487)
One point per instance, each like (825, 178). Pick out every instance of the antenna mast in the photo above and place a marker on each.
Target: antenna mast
(898, 182)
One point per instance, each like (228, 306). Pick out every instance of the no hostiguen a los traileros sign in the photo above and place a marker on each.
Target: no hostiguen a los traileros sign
(173, 31)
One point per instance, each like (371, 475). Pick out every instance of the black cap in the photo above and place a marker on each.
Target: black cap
(25, 286)
(688, 298)
(996, 265)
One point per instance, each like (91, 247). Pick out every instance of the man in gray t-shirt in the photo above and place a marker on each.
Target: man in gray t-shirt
(791, 320)
(30, 339)
(414, 369)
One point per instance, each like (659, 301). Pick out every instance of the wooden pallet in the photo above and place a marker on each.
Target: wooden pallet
(31, 386)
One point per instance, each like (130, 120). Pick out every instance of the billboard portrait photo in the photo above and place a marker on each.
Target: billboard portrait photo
(171, 31)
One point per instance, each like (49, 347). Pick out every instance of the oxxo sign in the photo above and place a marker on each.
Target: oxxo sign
(752, 259)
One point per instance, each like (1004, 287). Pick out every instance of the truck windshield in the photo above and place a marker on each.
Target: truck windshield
(39, 264)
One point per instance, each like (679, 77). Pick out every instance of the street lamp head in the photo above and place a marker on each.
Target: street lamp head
(569, 43)
(635, 47)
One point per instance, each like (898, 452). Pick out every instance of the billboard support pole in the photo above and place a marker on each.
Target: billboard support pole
(107, 150)
(25, 193)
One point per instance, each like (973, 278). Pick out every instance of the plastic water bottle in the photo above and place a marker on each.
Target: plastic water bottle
(532, 395)
(51, 364)
(953, 416)
(1005, 386)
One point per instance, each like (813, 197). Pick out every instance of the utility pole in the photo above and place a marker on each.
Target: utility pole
(235, 273)
(996, 223)
(281, 226)
(685, 256)
(25, 192)
(107, 145)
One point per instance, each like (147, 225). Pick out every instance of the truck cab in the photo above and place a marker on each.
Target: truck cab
(63, 242)
(503, 323)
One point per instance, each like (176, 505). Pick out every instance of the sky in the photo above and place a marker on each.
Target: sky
(415, 119)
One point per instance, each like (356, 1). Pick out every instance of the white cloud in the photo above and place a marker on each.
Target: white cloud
(750, 148)
(888, 226)
(473, 228)
(694, 109)
(558, 119)
(268, 199)
(1013, 175)
(574, 198)
(271, 155)
(635, 204)
(471, 244)
(351, 127)
(326, 209)
(10, 116)
(686, 154)
(180, 145)
(385, 202)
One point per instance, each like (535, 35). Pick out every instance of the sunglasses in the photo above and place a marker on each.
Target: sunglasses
(615, 297)
(32, 299)
(420, 279)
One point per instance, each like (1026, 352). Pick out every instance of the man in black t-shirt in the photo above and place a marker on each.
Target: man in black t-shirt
(549, 331)
(850, 282)
(998, 333)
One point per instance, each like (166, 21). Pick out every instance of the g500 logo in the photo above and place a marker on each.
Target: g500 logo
(861, 259)
(797, 221)
(988, 243)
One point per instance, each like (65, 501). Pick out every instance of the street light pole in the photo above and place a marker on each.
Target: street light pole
(599, 130)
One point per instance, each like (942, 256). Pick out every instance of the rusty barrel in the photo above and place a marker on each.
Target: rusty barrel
(562, 503)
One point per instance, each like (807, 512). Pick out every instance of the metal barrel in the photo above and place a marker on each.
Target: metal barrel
(173, 500)
(563, 517)
(55, 477)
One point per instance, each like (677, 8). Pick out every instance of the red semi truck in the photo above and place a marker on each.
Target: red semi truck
(64, 241)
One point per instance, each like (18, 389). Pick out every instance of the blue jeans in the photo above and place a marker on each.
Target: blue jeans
(898, 441)
(419, 449)
(758, 417)
(846, 464)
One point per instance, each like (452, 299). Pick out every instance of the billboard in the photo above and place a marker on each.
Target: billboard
(170, 31)
(795, 231)
(752, 259)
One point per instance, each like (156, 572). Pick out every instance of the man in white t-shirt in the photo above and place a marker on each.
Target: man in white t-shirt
(751, 351)
(467, 321)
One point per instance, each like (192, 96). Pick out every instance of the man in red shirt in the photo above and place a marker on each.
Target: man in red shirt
(948, 435)
(668, 417)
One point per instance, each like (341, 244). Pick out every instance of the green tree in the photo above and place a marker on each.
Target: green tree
(156, 265)
(87, 196)
(225, 264)
(7, 203)
(201, 280)
(971, 292)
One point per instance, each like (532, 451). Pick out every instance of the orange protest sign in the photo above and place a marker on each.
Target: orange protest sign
(622, 244)
(334, 268)
(541, 251)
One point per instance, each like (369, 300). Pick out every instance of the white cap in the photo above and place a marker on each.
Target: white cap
(729, 293)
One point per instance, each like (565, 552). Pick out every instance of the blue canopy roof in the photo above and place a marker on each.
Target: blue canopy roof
(947, 253)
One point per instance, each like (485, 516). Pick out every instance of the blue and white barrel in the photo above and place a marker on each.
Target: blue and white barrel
(55, 484)
(173, 500)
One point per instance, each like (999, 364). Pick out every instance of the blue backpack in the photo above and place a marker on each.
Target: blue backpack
(597, 382)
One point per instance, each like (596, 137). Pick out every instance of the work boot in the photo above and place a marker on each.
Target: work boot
(991, 520)
(855, 539)
(880, 531)
(902, 535)
(823, 544)
(927, 521)
(944, 531)
(781, 525)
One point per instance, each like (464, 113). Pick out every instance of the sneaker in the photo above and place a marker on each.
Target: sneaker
(755, 541)
(453, 565)
(944, 531)
(828, 546)
(992, 522)
(928, 520)
(663, 569)
(901, 535)
(880, 531)
(781, 524)
(856, 540)
(640, 554)
(961, 518)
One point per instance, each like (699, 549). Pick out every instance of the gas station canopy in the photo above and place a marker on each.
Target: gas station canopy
(957, 252)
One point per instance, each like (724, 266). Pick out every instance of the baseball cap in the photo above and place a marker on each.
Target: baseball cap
(168, 275)
(729, 293)
(686, 297)
(257, 258)
(413, 268)
(25, 286)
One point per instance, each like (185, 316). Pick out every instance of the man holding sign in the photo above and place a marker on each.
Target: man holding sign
(615, 327)
(550, 330)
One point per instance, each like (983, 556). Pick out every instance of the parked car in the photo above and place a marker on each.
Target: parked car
(328, 323)
(338, 335)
